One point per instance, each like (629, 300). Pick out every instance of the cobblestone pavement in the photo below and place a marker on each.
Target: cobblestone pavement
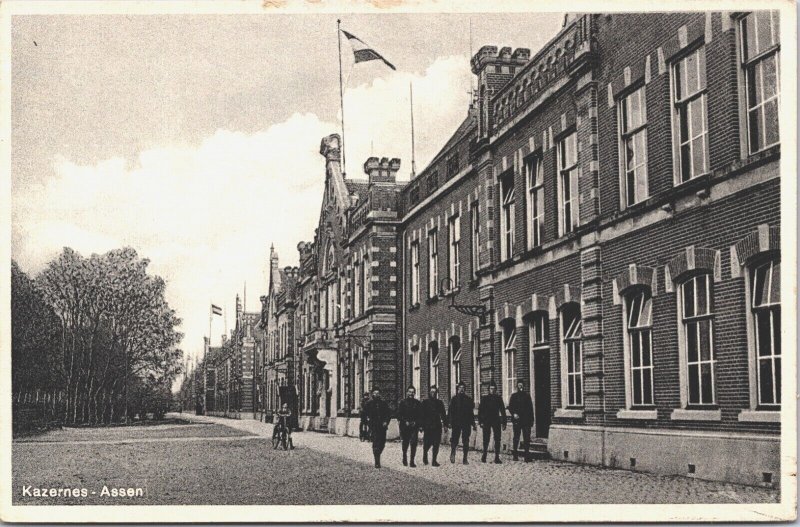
(519, 482)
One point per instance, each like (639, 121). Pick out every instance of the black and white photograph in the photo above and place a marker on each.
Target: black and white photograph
(282, 261)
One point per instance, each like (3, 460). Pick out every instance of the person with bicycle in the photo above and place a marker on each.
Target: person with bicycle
(283, 424)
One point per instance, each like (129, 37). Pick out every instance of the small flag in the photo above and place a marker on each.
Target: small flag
(362, 52)
(216, 310)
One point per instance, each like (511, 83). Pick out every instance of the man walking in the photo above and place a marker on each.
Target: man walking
(409, 415)
(378, 417)
(433, 419)
(491, 416)
(520, 406)
(461, 421)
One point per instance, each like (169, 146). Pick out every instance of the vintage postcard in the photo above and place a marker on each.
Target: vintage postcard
(398, 261)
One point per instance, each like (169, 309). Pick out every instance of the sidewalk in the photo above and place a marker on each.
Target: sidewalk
(519, 482)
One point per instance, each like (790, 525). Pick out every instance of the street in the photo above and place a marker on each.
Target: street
(209, 460)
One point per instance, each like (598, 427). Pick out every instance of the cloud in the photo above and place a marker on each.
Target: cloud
(205, 214)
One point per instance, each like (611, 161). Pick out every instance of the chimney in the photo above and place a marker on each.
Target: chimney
(274, 276)
(494, 69)
(383, 170)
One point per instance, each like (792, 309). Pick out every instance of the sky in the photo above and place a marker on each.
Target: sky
(195, 138)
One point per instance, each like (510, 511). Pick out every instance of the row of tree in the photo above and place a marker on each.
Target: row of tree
(94, 338)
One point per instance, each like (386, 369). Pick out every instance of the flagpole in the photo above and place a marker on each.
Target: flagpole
(413, 156)
(341, 91)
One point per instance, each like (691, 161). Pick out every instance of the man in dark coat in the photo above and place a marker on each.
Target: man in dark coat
(520, 406)
(409, 416)
(433, 420)
(492, 416)
(462, 421)
(378, 416)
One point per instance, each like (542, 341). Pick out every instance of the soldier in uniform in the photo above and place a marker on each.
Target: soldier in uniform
(434, 419)
(520, 406)
(378, 417)
(409, 416)
(491, 416)
(462, 421)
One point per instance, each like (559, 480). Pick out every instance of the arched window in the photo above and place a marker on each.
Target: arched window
(509, 347)
(697, 338)
(416, 373)
(572, 354)
(639, 347)
(455, 363)
(433, 349)
(765, 312)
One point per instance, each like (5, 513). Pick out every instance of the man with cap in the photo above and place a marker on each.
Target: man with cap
(462, 421)
(409, 415)
(433, 419)
(378, 416)
(491, 416)
(520, 406)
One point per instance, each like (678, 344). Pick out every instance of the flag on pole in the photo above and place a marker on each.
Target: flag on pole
(362, 52)
(216, 310)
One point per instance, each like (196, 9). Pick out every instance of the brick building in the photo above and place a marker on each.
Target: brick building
(603, 226)
(612, 204)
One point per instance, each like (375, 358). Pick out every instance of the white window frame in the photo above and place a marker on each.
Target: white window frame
(455, 349)
(475, 233)
(534, 180)
(356, 288)
(567, 181)
(572, 370)
(358, 386)
(454, 254)
(433, 262)
(641, 334)
(416, 369)
(366, 287)
(685, 97)
(507, 215)
(476, 368)
(508, 335)
(687, 326)
(414, 272)
(433, 363)
(754, 60)
(772, 308)
(633, 131)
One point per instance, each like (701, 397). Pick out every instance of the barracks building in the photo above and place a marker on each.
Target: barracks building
(603, 226)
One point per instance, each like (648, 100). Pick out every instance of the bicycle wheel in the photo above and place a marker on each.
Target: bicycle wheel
(284, 440)
(276, 440)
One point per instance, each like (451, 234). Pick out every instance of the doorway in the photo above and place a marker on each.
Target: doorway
(541, 387)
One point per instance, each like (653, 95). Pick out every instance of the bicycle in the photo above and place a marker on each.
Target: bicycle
(280, 438)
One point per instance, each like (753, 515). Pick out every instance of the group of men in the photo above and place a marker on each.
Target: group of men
(430, 417)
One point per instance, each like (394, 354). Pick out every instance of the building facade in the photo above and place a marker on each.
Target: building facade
(603, 226)
(614, 220)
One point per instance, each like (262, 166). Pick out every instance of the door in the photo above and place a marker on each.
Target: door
(541, 384)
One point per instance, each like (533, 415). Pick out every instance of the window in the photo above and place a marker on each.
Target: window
(452, 166)
(414, 273)
(639, 322)
(476, 368)
(455, 363)
(572, 328)
(633, 142)
(765, 287)
(433, 181)
(697, 325)
(509, 337)
(539, 330)
(567, 184)
(356, 289)
(365, 287)
(453, 256)
(535, 182)
(416, 373)
(433, 262)
(434, 364)
(760, 60)
(358, 384)
(413, 194)
(507, 216)
(689, 89)
(323, 304)
(475, 245)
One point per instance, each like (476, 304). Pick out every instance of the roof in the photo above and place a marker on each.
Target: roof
(357, 186)
(462, 131)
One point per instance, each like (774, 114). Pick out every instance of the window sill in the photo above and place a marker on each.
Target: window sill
(569, 413)
(760, 416)
(642, 415)
(682, 414)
